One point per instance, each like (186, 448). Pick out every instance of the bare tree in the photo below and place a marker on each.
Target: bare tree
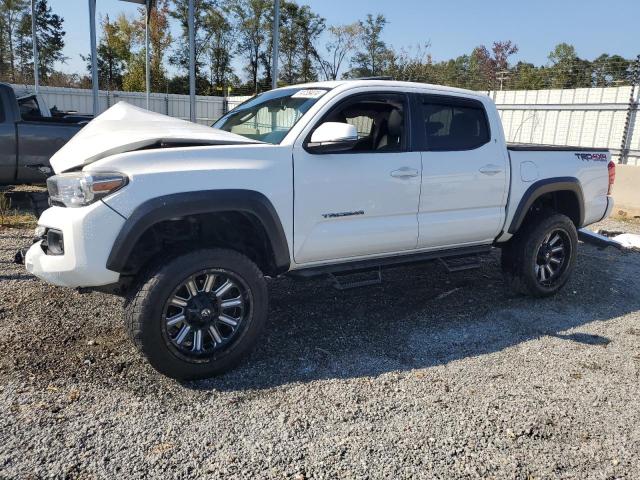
(344, 39)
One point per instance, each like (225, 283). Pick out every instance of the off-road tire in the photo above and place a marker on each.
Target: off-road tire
(520, 253)
(145, 304)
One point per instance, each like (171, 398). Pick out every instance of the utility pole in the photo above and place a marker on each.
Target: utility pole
(632, 112)
(276, 43)
(147, 74)
(34, 41)
(503, 75)
(192, 64)
(94, 60)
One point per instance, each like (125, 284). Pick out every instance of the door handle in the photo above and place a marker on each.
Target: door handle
(405, 172)
(490, 169)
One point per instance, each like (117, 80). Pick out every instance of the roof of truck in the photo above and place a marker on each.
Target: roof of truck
(377, 82)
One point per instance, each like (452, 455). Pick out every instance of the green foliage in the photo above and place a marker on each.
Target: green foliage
(114, 51)
(219, 50)
(11, 13)
(299, 30)
(252, 24)
(180, 55)
(373, 57)
(49, 39)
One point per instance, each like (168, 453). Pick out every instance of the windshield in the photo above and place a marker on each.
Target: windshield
(269, 116)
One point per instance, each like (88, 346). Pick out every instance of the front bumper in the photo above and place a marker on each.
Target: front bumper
(89, 233)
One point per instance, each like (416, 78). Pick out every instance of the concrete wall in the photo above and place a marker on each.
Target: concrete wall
(626, 190)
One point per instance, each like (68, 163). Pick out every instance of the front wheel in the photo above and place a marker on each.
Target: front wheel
(199, 314)
(540, 258)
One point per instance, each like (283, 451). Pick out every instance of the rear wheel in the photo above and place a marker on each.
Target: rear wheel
(540, 258)
(199, 314)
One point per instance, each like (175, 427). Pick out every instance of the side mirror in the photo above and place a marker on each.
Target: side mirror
(333, 137)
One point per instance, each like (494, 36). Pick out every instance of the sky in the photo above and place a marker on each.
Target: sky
(452, 27)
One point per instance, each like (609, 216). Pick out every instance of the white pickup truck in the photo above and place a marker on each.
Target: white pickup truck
(325, 178)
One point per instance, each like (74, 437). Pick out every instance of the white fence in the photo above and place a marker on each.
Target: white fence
(586, 117)
(208, 109)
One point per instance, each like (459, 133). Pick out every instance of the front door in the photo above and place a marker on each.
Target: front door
(363, 201)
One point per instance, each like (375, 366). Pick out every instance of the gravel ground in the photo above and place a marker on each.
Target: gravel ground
(429, 375)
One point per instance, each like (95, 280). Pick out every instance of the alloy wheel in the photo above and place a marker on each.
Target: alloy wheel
(552, 257)
(205, 314)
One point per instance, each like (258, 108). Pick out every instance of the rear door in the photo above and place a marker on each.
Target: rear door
(464, 178)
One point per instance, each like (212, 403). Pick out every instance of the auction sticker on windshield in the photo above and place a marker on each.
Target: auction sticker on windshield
(309, 94)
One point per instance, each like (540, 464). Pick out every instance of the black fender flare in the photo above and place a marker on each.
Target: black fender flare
(182, 204)
(542, 187)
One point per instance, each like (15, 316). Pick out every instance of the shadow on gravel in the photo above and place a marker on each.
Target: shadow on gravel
(422, 317)
(419, 317)
(584, 338)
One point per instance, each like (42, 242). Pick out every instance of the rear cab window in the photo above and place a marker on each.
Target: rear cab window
(452, 123)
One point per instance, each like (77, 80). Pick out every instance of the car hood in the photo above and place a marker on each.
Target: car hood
(124, 128)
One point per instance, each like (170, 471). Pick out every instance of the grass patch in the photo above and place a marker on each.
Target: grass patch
(17, 219)
(11, 218)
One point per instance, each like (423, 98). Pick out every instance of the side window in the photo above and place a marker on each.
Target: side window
(378, 118)
(29, 108)
(454, 125)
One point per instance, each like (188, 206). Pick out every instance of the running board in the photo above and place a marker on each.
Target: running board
(347, 281)
(375, 263)
(458, 264)
(600, 241)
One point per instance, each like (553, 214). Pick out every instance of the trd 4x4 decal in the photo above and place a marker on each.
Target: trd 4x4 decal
(595, 157)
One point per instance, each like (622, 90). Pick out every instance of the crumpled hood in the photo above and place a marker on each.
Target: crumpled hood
(124, 128)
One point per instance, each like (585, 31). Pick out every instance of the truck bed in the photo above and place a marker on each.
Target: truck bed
(551, 148)
(533, 165)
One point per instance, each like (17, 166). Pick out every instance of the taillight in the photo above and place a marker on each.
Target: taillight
(612, 176)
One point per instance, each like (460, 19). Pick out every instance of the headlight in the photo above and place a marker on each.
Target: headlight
(82, 188)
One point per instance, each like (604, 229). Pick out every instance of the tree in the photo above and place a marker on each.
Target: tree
(159, 40)
(410, 65)
(566, 70)
(373, 57)
(494, 63)
(219, 49)
(251, 16)
(528, 77)
(343, 39)
(11, 13)
(289, 42)
(180, 12)
(299, 31)
(610, 70)
(310, 26)
(114, 51)
(50, 40)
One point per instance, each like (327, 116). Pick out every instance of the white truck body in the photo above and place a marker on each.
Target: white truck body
(333, 208)
(324, 178)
